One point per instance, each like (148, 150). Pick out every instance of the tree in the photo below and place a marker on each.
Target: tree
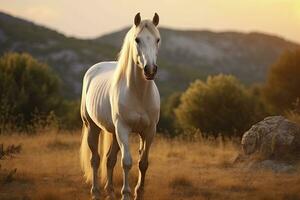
(282, 87)
(27, 88)
(221, 105)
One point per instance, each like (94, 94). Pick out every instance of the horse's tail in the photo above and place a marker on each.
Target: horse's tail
(85, 155)
(105, 143)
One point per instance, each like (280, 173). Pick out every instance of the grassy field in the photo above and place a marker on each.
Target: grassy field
(48, 169)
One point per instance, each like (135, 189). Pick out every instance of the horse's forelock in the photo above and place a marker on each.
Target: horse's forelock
(135, 30)
(148, 24)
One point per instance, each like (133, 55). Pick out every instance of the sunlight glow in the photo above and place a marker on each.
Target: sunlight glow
(90, 18)
(297, 9)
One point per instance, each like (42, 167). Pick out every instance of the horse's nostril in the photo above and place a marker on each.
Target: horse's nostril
(146, 69)
(155, 68)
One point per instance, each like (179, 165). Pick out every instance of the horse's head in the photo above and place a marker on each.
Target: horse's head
(146, 44)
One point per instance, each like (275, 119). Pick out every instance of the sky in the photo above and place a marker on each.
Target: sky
(92, 18)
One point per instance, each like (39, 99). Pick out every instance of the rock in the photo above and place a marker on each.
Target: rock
(274, 138)
(271, 165)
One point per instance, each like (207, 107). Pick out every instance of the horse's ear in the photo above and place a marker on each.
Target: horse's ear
(137, 19)
(155, 19)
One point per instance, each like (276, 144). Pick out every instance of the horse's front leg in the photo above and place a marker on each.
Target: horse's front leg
(146, 141)
(122, 135)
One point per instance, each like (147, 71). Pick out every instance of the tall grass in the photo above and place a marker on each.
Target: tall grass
(180, 168)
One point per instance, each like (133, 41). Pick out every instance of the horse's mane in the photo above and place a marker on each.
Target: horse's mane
(125, 56)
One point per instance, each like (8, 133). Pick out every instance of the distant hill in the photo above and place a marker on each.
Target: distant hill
(199, 53)
(184, 55)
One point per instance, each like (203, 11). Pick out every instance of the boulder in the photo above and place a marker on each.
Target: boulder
(275, 166)
(274, 138)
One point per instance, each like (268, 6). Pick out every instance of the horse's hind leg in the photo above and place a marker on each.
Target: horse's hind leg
(93, 138)
(110, 164)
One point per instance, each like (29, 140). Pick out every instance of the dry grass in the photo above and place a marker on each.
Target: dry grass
(48, 169)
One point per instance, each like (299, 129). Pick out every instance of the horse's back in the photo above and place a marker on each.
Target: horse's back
(102, 71)
(96, 87)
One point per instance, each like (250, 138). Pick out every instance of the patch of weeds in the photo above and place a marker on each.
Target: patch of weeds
(7, 175)
(173, 154)
(58, 144)
(182, 186)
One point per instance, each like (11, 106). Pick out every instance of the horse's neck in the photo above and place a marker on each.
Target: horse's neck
(132, 77)
(135, 81)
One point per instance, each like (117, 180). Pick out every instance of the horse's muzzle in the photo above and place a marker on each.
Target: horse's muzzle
(150, 72)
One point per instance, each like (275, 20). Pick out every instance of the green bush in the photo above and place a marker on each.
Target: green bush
(29, 90)
(69, 115)
(282, 87)
(167, 122)
(219, 105)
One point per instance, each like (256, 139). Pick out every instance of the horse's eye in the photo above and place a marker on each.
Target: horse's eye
(137, 40)
(158, 40)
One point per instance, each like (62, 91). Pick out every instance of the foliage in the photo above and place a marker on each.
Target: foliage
(294, 114)
(26, 87)
(219, 105)
(29, 92)
(282, 87)
(167, 123)
(5, 153)
(9, 150)
(69, 113)
(294, 117)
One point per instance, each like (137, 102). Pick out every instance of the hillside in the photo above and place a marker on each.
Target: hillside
(245, 55)
(184, 55)
(70, 57)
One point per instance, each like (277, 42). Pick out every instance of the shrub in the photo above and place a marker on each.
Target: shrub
(27, 86)
(294, 114)
(29, 92)
(282, 86)
(219, 105)
(69, 114)
(5, 153)
(167, 123)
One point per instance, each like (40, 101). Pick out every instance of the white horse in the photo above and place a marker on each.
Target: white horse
(120, 98)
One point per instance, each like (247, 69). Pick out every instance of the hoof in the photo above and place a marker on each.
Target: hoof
(109, 193)
(95, 197)
(126, 197)
(139, 194)
(138, 197)
(95, 194)
(111, 196)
